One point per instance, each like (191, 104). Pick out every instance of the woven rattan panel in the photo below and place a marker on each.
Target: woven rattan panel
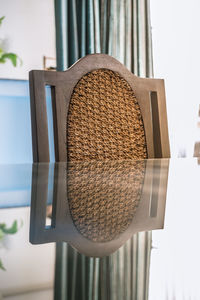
(103, 196)
(104, 119)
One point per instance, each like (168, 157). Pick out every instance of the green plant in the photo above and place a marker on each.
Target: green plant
(4, 230)
(10, 56)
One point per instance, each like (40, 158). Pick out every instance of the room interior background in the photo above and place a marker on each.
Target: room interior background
(175, 56)
(29, 31)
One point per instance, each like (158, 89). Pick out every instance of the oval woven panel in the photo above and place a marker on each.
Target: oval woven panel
(104, 119)
(103, 196)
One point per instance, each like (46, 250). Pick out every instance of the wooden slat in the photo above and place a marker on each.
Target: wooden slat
(39, 117)
(156, 125)
(60, 117)
(162, 111)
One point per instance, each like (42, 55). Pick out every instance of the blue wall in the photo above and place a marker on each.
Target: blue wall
(16, 142)
(15, 122)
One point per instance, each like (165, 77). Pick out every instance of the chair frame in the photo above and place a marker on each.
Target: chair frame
(149, 215)
(150, 94)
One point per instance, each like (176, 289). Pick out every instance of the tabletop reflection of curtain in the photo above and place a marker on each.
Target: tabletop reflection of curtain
(122, 30)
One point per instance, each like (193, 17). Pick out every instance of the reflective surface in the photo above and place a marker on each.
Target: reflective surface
(98, 206)
(104, 210)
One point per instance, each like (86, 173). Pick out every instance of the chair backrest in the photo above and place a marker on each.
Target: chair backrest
(100, 111)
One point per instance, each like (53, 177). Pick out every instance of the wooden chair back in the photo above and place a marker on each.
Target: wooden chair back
(147, 94)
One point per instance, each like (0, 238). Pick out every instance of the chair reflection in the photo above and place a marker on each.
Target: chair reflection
(97, 206)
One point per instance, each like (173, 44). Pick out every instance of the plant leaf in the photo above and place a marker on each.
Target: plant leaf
(2, 266)
(11, 56)
(1, 19)
(1, 52)
(1, 234)
(2, 60)
(12, 230)
(2, 226)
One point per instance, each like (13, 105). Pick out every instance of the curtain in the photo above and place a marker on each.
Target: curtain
(122, 275)
(120, 28)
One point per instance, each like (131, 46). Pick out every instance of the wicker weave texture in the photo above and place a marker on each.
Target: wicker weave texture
(103, 196)
(104, 119)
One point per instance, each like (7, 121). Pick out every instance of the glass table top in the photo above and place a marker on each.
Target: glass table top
(100, 230)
